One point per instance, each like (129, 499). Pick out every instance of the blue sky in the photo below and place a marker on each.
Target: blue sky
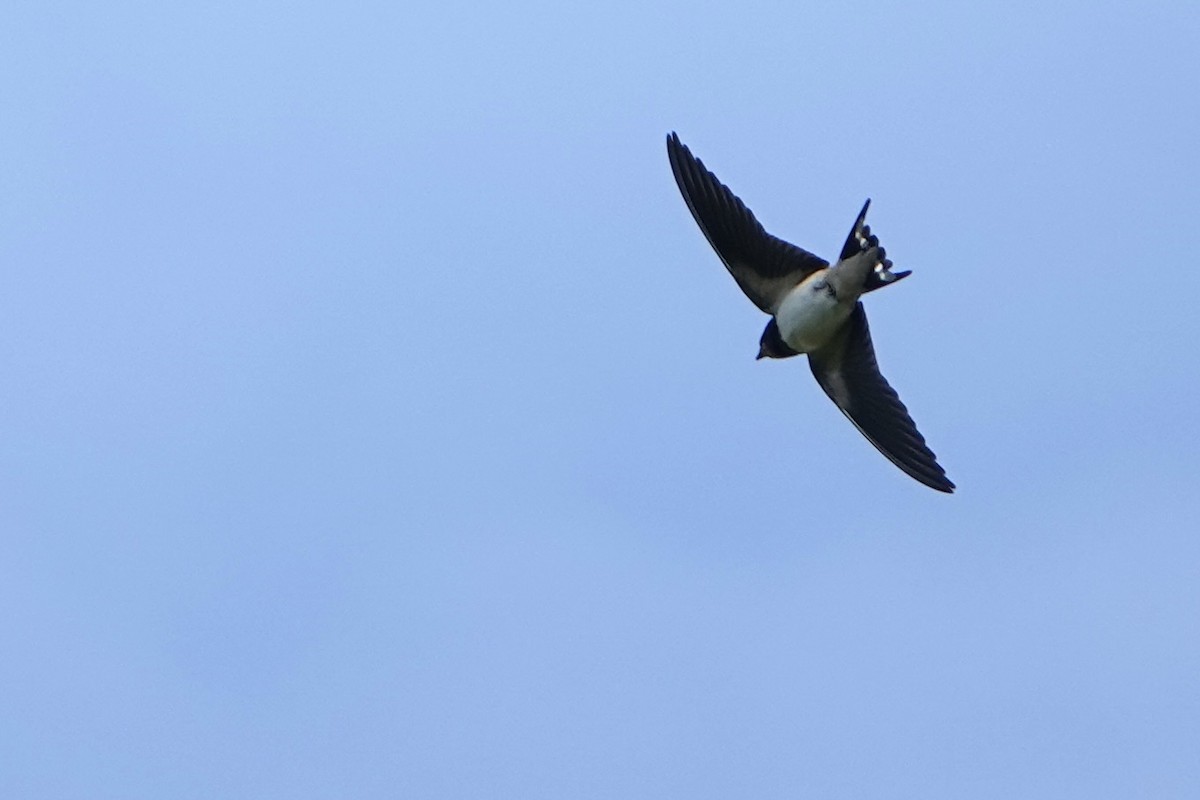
(378, 423)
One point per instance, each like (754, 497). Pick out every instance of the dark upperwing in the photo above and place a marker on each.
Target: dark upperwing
(847, 371)
(764, 266)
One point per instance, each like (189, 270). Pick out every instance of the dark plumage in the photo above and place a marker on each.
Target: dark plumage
(814, 309)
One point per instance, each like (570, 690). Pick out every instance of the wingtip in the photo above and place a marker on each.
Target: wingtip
(676, 148)
(935, 478)
(929, 474)
(948, 487)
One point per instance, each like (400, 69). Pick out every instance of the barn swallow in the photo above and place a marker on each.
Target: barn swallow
(815, 309)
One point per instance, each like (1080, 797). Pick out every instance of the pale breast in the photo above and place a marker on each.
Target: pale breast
(810, 314)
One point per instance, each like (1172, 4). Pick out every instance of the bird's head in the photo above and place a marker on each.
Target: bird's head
(772, 345)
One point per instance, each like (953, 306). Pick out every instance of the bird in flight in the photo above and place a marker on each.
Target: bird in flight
(815, 309)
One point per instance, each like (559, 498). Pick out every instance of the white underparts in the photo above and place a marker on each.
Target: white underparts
(811, 314)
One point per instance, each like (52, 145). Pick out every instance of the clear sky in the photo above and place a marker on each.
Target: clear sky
(377, 422)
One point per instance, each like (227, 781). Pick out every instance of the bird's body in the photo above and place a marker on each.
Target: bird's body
(815, 310)
(811, 313)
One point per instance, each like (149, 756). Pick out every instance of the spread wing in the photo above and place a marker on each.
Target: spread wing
(847, 371)
(765, 267)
